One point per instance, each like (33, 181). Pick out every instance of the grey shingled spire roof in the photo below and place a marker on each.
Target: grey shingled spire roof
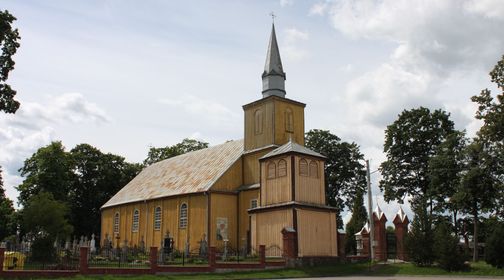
(294, 147)
(273, 76)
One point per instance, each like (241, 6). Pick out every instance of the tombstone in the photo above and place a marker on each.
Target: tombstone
(68, 244)
(81, 242)
(203, 249)
(124, 251)
(224, 254)
(86, 242)
(141, 245)
(75, 245)
(92, 244)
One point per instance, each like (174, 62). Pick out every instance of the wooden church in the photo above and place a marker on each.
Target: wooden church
(243, 192)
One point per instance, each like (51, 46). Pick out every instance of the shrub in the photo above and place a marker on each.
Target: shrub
(43, 249)
(494, 253)
(419, 240)
(446, 249)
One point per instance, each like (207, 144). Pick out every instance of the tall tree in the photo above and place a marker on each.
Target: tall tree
(410, 142)
(9, 44)
(357, 221)
(478, 189)
(98, 177)
(50, 170)
(345, 173)
(187, 145)
(7, 225)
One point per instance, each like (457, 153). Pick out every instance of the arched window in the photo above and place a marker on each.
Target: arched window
(282, 168)
(313, 169)
(136, 220)
(258, 122)
(271, 170)
(116, 222)
(183, 215)
(157, 218)
(303, 167)
(289, 120)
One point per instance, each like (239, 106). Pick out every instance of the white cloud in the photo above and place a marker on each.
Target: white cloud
(488, 8)
(33, 126)
(285, 3)
(319, 8)
(293, 48)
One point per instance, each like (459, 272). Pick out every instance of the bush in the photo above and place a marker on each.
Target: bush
(446, 249)
(43, 249)
(494, 253)
(419, 240)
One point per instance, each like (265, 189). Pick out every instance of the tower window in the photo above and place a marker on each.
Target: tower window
(253, 203)
(289, 120)
(303, 167)
(136, 220)
(271, 170)
(116, 222)
(258, 122)
(157, 218)
(282, 168)
(183, 216)
(313, 169)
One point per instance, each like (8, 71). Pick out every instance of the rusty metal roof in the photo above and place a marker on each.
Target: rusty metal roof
(188, 173)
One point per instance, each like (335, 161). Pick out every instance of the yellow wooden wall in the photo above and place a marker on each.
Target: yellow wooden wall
(310, 189)
(223, 206)
(251, 166)
(245, 197)
(281, 135)
(231, 179)
(317, 234)
(276, 190)
(197, 205)
(253, 140)
(267, 229)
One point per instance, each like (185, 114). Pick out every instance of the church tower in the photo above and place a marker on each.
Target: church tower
(271, 121)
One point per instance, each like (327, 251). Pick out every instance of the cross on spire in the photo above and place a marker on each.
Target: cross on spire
(273, 16)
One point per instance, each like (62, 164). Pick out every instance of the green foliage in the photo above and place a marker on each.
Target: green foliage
(43, 249)
(187, 145)
(7, 212)
(43, 216)
(419, 240)
(357, 221)
(9, 44)
(494, 253)
(410, 142)
(446, 249)
(345, 173)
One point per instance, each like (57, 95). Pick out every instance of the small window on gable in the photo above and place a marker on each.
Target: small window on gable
(136, 220)
(271, 170)
(282, 168)
(183, 216)
(258, 122)
(303, 167)
(289, 120)
(253, 203)
(313, 169)
(116, 222)
(157, 218)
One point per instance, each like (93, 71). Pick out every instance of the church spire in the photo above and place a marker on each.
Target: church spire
(273, 77)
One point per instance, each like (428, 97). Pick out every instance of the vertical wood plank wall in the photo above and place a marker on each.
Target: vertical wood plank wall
(310, 189)
(223, 206)
(267, 228)
(281, 134)
(245, 197)
(253, 140)
(231, 179)
(251, 166)
(275, 190)
(317, 233)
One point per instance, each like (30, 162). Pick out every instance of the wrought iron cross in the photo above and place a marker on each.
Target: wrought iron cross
(273, 16)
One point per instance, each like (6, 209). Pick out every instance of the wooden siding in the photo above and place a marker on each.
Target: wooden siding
(223, 206)
(195, 230)
(231, 179)
(278, 189)
(308, 188)
(267, 230)
(253, 140)
(251, 166)
(245, 198)
(281, 134)
(317, 234)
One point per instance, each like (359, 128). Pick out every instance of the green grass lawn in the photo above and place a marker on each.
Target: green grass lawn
(477, 269)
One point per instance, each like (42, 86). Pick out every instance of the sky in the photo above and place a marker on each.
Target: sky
(126, 75)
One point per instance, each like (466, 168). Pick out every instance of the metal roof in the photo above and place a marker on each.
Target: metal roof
(188, 173)
(292, 146)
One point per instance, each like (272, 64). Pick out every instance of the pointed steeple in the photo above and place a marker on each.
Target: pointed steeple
(273, 76)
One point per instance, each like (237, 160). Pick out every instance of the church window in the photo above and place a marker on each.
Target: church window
(183, 215)
(253, 203)
(303, 167)
(271, 170)
(313, 169)
(289, 120)
(136, 220)
(116, 222)
(157, 218)
(282, 168)
(258, 122)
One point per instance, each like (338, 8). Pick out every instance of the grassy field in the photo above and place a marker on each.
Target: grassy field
(477, 269)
